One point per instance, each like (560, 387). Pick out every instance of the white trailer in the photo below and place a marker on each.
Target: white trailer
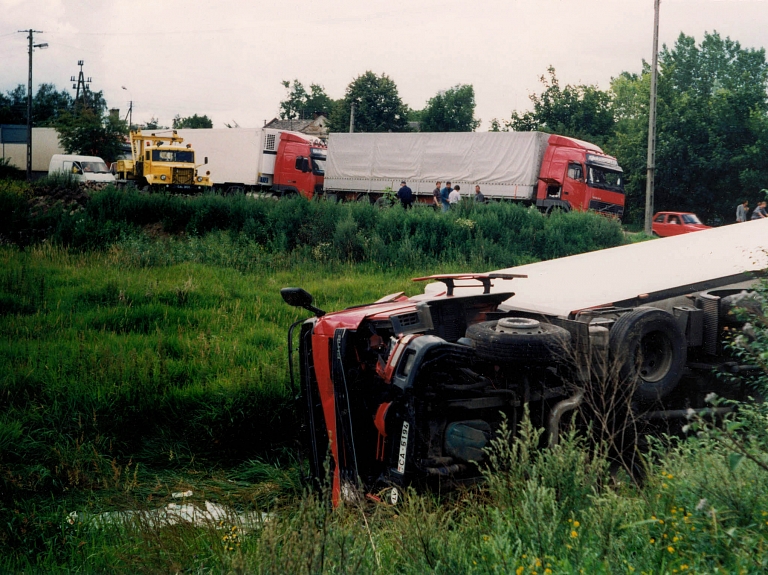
(45, 144)
(654, 272)
(505, 164)
(238, 158)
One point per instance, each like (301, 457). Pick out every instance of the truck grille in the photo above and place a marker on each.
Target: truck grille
(184, 176)
(606, 208)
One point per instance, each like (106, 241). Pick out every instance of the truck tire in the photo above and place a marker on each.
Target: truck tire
(651, 351)
(512, 340)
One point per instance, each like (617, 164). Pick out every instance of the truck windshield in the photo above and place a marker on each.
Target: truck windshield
(318, 161)
(605, 179)
(185, 156)
(95, 167)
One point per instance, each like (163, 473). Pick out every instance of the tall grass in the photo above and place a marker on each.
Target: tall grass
(489, 236)
(539, 511)
(142, 351)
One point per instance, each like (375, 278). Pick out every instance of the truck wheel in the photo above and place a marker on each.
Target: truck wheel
(517, 339)
(651, 349)
(363, 198)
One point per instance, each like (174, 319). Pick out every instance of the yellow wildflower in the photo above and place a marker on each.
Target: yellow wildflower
(653, 540)
(671, 549)
(519, 570)
(574, 534)
(576, 523)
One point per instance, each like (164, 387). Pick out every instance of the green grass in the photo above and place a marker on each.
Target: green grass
(137, 364)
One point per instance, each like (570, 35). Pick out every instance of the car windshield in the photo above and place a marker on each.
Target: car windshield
(95, 167)
(690, 219)
(605, 179)
(185, 156)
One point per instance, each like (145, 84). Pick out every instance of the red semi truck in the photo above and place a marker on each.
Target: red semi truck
(411, 390)
(545, 170)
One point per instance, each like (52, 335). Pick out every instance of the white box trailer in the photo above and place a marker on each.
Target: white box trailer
(237, 157)
(506, 164)
(652, 273)
(45, 144)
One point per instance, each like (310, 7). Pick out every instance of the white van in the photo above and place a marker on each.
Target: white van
(82, 168)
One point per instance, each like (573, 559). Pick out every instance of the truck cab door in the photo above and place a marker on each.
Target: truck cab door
(574, 184)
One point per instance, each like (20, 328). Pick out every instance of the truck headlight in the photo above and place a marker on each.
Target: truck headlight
(199, 178)
(162, 177)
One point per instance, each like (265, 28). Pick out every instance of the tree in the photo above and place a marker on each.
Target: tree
(195, 122)
(451, 110)
(47, 105)
(302, 105)
(378, 107)
(711, 127)
(580, 111)
(153, 124)
(92, 134)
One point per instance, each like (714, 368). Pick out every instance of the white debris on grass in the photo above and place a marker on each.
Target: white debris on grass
(181, 494)
(213, 515)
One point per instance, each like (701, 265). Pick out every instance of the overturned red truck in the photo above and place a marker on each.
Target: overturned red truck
(410, 390)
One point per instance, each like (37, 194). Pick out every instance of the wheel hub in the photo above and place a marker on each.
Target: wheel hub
(518, 325)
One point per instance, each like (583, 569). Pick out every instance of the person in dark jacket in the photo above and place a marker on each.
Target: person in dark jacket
(405, 195)
(444, 193)
(436, 195)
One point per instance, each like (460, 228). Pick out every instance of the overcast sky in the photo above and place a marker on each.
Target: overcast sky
(226, 59)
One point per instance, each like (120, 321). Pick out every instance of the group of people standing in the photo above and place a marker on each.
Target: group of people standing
(448, 196)
(443, 198)
(758, 213)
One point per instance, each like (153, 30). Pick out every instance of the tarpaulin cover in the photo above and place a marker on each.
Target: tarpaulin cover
(505, 159)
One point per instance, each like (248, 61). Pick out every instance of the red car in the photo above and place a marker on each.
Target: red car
(667, 224)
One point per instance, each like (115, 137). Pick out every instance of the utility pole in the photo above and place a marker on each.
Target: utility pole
(352, 118)
(82, 84)
(651, 162)
(32, 46)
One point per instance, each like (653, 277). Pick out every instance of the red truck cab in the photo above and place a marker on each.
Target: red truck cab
(578, 175)
(299, 165)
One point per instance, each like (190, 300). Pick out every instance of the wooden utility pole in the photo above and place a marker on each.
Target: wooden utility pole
(651, 162)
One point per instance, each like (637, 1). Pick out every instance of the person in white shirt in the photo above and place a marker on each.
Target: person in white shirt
(454, 197)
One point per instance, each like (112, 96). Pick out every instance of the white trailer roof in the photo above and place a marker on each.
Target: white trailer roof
(562, 286)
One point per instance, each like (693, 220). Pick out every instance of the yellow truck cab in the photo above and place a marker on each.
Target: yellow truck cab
(162, 162)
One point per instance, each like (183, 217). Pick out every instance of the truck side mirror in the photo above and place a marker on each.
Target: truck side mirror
(298, 297)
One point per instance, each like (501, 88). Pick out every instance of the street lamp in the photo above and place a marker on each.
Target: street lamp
(29, 98)
(129, 115)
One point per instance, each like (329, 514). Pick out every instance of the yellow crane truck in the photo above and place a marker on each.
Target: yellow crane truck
(161, 162)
